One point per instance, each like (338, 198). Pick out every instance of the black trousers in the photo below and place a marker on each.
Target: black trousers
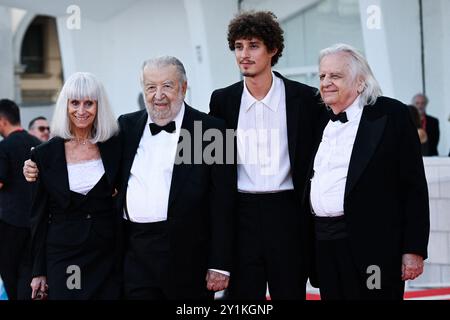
(268, 248)
(15, 261)
(147, 267)
(338, 273)
(146, 262)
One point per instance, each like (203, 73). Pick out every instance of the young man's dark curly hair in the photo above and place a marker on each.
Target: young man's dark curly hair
(262, 25)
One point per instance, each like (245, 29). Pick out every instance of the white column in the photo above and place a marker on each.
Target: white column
(214, 64)
(6, 55)
(375, 43)
(437, 65)
(66, 45)
(393, 48)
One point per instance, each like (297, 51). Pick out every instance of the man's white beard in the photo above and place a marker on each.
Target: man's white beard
(168, 114)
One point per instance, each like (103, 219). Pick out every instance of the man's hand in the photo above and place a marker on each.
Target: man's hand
(30, 171)
(216, 281)
(412, 266)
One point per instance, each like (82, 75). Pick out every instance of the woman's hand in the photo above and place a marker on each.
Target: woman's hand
(38, 285)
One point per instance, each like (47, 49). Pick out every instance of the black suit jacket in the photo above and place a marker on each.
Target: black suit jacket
(16, 194)
(302, 113)
(52, 193)
(303, 109)
(433, 135)
(200, 203)
(386, 195)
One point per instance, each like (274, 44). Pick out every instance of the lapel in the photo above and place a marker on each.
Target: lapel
(181, 171)
(368, 137)
(57, 165)
(293, 102)
(234, 105)
(323, 121)
(317, 138)
(132, 142)
(110, 158)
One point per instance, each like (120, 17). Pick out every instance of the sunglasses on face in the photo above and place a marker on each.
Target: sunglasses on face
(42, 128)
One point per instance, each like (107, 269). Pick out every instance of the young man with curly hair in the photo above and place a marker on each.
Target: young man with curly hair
(274, 121)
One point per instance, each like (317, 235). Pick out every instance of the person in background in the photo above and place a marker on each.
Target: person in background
(39, 128)
(428, 123)
(423, 137)
(15, 203)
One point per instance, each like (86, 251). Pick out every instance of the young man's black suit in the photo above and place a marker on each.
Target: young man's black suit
(278, 255)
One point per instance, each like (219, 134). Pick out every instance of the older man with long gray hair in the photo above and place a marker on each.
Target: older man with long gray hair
(368, 192)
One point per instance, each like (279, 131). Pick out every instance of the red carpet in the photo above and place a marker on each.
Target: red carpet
(428, 294)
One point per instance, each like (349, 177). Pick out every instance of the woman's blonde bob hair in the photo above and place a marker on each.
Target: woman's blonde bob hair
(81, 86)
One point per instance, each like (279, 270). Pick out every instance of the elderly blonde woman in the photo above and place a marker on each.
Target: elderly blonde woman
(74, 220)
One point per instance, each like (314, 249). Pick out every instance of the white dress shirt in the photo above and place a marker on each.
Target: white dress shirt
(331, 163)
(147, 198)
(262, 142)
(83, 176)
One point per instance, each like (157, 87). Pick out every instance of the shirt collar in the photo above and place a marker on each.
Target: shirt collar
(271, 100)
(354, 110)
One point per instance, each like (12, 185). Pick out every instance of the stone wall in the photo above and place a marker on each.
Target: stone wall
(437, 266)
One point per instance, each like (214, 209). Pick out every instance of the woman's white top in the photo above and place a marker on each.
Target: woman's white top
(83, 176)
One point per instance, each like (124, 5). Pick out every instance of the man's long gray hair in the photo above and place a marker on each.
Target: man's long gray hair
(359, 68)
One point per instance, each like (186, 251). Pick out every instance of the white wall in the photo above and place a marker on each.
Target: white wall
(283, 9)
(437, 266)
(114, 49)
(16, 17)
(113, 43)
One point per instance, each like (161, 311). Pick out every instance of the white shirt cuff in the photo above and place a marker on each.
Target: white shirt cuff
(221, 271)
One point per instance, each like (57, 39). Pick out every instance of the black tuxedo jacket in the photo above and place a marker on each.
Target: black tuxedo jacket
(52, 195)
(200, 202)
(386, 195)
(302, 113)
(433, 135)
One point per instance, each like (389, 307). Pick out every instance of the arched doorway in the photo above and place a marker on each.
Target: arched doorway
(40, 57)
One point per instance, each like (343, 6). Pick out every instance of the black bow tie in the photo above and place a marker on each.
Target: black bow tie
(155, 129)
(342, 117)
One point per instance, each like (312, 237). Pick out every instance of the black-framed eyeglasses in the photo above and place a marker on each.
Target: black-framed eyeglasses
(43, 128)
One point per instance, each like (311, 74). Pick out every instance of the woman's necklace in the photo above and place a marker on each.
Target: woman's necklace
(80, 141)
